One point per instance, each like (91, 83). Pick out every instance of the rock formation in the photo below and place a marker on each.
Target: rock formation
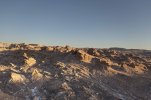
(37, 72)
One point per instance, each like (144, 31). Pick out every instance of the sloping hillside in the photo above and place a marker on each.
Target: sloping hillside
(36, 72)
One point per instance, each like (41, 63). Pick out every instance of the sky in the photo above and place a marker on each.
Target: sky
(78, 23)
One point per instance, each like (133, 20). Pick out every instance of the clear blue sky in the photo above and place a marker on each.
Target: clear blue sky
(79, 23)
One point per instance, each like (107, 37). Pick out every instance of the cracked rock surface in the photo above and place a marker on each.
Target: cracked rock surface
(37, 72)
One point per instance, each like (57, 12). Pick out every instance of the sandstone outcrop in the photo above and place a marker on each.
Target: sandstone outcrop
(37, 72)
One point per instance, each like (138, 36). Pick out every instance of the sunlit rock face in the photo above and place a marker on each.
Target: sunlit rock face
(37, 72)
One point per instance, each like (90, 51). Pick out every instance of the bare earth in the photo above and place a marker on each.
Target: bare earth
(36, 72)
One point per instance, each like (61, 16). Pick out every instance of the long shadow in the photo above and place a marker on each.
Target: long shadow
(134, 87)
(45, 61)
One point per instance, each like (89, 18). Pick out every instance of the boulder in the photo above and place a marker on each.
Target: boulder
(83, 56)
(29, 60)
(36, 75)
(18, 78)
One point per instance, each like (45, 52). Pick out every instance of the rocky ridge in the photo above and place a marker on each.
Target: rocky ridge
(37, 72)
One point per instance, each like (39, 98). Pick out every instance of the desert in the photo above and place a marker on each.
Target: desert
(38, 72)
